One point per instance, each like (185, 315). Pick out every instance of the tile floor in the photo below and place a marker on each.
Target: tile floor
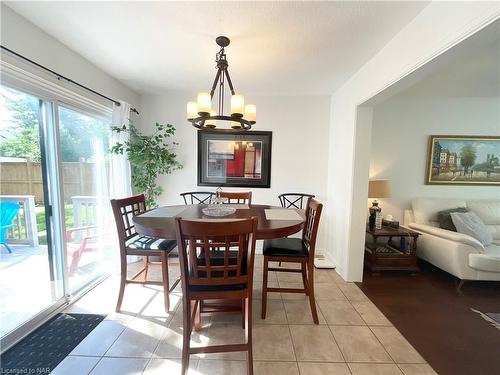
(353, 337)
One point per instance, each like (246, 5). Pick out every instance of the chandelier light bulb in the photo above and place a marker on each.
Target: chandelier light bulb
(192, 110)
(237, 105)
(204, 103)
(250, 112)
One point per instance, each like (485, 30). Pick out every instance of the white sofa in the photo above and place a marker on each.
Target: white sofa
(461, 255)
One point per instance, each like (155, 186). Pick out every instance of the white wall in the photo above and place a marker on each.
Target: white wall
(299, 149)
(437, 28)
(23, 37)
(400, 137)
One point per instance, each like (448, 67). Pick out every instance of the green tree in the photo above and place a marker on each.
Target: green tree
(467, 157)
(22, 137)
(150, 156)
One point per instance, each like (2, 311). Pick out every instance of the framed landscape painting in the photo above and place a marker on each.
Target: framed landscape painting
(463, 160)
(238, 159)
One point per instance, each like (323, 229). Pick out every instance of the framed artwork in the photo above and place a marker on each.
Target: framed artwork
(238, 159)
(463, 160)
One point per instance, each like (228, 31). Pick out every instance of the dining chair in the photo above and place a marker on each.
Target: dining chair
(216, 260)
(295, 250)
(244, 197)
(198, 197)
(294, 200)
(132, 243)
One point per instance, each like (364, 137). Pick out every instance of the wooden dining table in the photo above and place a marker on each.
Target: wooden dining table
(160, 222)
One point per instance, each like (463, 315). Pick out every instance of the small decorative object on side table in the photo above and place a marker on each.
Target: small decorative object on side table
(391, 255)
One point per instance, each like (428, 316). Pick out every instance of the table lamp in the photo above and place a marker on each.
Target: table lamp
(377, 189)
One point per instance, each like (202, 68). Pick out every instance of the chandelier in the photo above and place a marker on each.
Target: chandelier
(200, 113)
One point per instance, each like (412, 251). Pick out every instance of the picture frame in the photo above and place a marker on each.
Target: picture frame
(234, 158)
(463, 160)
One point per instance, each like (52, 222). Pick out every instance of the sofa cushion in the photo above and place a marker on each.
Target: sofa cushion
(487, 210)
(488, 261)
(425, 209)
(444, 218)
(469, 223)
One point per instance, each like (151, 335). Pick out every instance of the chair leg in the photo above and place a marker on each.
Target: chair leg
(7, 247)
(248, 335)
(146, 267)
(123, 281)
(243, 316)
(264, 288)
(310, 288)
(164, 271)
(196, 305)
(304, 278)
(186, 336)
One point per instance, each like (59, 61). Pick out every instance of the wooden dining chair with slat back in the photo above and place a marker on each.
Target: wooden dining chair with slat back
(294, 200)
(198, 197)
(132, 243)
(216, 260)
(295, 250)
(244, 197)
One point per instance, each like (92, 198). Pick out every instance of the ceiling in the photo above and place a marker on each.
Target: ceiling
(277, 48)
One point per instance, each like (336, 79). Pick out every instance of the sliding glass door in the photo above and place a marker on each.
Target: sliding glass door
(84, 144)
(31, 278)
(55, 218)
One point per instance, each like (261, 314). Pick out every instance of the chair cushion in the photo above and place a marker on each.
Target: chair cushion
(292, 247)
(148, 243)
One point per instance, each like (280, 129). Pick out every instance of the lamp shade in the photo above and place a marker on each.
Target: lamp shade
(379, 189)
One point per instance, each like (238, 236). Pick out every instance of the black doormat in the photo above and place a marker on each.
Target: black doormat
(42, 350)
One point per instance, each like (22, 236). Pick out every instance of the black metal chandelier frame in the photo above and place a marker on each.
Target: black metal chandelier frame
(239, 122)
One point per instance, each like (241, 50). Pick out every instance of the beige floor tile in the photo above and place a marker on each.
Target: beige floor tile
(299, 312)
(352, 292)
(272, 343)
(218, 367)
(324, 276)
(289, 277)
(293, 296)
(170, 346)
(322, 368)
(370, 314)
(275, 368)
(97, 342)
(396, 345)
(162, 366)
(139, 339)
(275, 312)
(258, 275)
(120, 366)
(416, 369)
(340, 313)
(324, 291)
(359, 344)
(76, 365)
(222, 334)
(374, 369)
(257, 290)
(336, 277)
(315, 343)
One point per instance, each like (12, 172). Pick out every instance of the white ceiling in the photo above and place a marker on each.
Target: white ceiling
(277, 48)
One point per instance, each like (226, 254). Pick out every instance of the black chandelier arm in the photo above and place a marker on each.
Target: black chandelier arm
(199, 122)
(214, 86)
(229, 82)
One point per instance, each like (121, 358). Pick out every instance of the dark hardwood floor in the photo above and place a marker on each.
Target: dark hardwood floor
(438, 321)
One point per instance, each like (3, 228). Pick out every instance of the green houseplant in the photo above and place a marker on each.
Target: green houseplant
(150, 156)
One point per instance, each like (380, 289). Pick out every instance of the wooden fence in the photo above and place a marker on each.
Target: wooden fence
(25, 178)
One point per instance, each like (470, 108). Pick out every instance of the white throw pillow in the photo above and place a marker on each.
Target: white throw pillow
(469, 223)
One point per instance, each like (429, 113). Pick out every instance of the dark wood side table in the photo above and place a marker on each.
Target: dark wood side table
(391, 255)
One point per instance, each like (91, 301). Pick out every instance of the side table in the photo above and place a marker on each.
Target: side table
(391, 255)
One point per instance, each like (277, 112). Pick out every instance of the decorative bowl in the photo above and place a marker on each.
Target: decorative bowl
(218, 210)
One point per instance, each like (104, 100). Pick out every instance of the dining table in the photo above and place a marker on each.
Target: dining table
(281, 222)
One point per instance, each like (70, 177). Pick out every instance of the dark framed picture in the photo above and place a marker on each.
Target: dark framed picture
(238, 159)
(463, 160)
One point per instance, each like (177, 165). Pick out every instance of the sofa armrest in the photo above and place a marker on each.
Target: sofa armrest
(448, 235)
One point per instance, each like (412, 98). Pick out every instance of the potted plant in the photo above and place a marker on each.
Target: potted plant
(150, 156)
